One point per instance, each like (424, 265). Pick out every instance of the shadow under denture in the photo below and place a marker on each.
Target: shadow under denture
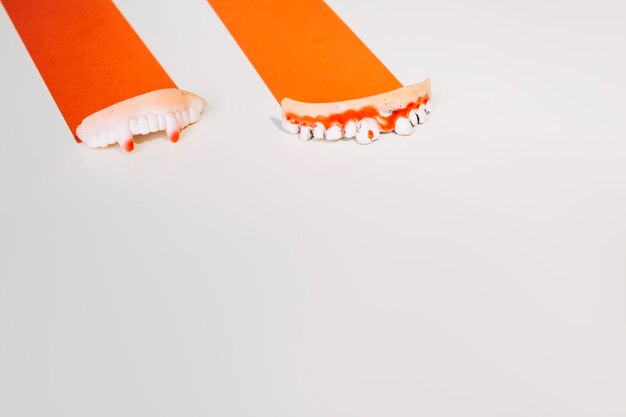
(278, 123)
(139, 139)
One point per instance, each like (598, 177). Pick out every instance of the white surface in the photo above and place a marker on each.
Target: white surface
(475, 268)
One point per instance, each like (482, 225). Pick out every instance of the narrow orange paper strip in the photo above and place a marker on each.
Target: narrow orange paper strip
(303, 50)
(86, 52)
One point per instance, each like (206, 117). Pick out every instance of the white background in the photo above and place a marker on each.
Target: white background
(475, 268)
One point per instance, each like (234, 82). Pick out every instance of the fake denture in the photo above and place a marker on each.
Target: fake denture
(169, 109)
(363, 119)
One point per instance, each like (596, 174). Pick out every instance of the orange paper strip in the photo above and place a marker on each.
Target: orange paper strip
(86, 52)
(303, 50)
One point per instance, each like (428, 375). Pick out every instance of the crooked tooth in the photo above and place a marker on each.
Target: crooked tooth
(413, 117)
(368, 131)
(142, 121)
(305, 133)
(333, 132)
(350, 129)
(290, 127)
(403, 126)
(319, 131)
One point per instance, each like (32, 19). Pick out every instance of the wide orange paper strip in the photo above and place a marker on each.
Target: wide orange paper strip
(303, 50)
(86, 52)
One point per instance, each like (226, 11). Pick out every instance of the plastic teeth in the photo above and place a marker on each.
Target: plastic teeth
(333, 132)
(171, 127)
(403, 126)
(102, 139)
(365, 131)
(422, 113)
(142, 121)
(305, 133)
(172, 123)
(368, 131)
(319, 131)
(350, 130)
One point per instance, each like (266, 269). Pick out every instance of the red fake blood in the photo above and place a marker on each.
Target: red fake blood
(175, 136)
(129, 146)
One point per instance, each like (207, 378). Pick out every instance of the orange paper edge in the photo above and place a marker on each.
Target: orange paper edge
(87, 54)
(303, 50)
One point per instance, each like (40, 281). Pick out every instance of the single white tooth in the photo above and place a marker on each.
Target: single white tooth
(161, 121)
(153, 123)
(403, 126)
(374, 128)
(427, 107)
(290, 127)
(350, 129)
(134, 126)
(333, 132)
(368, 131)
(422, 114)
(91, 141)
(122, 132)
(413, 117)
(171, 126)
(194, 114)
(142, 121)
(102, 138)
(319, 131)
(186, 116)
(305, 133)
(179, 119)
(111, 139)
